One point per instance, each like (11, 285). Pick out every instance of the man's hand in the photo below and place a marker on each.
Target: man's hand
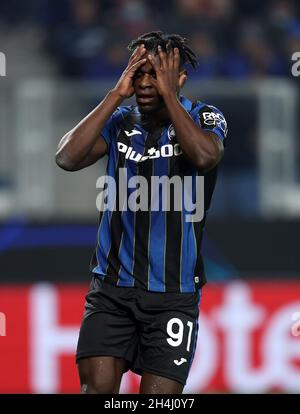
(124, 87)
(168, 79)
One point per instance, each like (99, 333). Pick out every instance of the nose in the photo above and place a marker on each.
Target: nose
(145, 81)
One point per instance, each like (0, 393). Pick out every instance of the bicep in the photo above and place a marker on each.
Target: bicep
(218, 144)
(211, 151)
(97, 152)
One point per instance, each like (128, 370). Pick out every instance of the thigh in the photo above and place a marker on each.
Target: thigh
(101, 375)
(155, 384)
(108, 329)
(168, 339)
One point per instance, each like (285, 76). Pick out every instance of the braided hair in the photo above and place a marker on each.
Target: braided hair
(154, 39)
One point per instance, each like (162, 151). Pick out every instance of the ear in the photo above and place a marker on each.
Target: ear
(183, 75)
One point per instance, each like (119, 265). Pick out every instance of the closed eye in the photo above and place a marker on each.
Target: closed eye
(138, 74)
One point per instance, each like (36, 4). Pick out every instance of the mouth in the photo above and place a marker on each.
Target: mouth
(145, 99)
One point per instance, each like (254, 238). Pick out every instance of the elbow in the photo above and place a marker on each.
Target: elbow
(63, 162)
(207, 162)
(63, 156)
(208, 156)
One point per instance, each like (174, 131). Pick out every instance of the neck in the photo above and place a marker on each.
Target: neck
(161, 115)
(156, 118)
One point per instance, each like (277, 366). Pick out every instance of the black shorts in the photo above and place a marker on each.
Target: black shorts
(155, 332)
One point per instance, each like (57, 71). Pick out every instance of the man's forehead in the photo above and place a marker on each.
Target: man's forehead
(147, 67)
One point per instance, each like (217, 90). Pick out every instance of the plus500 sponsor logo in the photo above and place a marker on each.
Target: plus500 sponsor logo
(167, 150)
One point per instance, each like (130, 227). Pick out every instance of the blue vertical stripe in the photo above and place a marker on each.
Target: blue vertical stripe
(126, 251)
(104, 233)
(158, 234)
(103, 245)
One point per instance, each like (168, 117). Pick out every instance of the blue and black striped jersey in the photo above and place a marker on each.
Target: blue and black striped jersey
(154, 249)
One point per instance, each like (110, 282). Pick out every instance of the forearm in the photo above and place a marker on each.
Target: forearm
(200, 147)
(77, 144)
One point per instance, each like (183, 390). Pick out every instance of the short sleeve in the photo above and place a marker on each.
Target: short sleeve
(107, 130)
(211, 119)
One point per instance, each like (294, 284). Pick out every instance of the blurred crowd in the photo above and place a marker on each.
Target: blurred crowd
(232, 38)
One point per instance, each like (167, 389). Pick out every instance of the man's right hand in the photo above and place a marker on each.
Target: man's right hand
(83, 145)
(124, 87)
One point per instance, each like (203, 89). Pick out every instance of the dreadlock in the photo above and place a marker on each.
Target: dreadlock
(154, 39)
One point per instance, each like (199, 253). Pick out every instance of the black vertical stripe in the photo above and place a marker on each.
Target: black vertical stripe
(173, 238)
(209, 185)
(199, 267)
(116, 237)
(173, 249)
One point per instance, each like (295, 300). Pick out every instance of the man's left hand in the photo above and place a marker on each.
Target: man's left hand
(168, 80)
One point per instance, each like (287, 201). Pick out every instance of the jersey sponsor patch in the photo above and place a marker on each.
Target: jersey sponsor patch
(210, 118)
(167, 150)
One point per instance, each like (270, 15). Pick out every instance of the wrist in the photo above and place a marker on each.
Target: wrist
(114, 93)
(170, 97)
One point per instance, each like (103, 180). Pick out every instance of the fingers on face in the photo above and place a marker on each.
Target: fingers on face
(138, 53)
(169, 59)
(182, 79)
(170, 55)
(153, 62)
(135, 65)
(176, 58)
(162, 57)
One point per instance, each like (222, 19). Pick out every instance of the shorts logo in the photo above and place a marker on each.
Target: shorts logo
(182, 361)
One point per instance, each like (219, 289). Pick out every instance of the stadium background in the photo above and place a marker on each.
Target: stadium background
(61, 58)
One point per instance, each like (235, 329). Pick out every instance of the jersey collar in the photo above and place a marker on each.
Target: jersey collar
(185, 102)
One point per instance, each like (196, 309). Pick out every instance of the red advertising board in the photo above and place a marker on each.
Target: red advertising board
(249, 339)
